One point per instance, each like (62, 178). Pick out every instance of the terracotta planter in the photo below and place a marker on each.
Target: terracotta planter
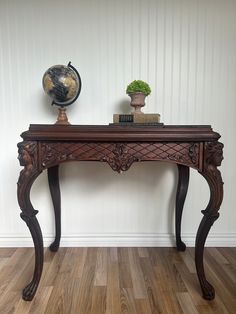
(137, 101)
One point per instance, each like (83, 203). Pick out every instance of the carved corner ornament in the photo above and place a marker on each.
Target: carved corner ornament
(121, 159)
(27, 155)
(28, 158)
(194, 153)
(213, 158)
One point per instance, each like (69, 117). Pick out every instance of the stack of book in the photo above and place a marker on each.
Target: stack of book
(137, 118)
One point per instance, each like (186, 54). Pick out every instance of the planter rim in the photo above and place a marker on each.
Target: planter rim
(137, 93)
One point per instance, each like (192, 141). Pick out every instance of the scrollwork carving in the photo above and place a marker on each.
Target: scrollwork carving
(193, 152)
(188, 156)
(121, 159)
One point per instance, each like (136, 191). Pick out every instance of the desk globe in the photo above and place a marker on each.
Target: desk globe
(63, 84)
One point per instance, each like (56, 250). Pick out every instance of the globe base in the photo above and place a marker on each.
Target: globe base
(62, 117)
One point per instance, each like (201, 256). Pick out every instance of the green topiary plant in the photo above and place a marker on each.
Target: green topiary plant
(138, 86)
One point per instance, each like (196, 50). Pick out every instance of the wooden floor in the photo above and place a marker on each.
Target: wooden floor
(118, 280)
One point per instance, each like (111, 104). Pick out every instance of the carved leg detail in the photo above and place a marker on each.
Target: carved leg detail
(213, 158)
(53, 180)
(32, 222)
(180, 199)
(28, 159)
(203, 230)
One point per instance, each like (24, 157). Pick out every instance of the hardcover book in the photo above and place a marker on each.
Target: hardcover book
(136, 118)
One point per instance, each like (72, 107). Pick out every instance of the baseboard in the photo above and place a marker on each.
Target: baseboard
(120, 240)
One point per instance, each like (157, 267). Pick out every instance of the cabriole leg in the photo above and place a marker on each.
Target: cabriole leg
(213, 158)
(32, 222)
(53, 180)
(182, 189)
(28, 159)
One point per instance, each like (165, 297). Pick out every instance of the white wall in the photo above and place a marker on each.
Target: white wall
(185, 49)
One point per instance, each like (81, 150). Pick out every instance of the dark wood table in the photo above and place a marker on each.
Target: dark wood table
(46, 146)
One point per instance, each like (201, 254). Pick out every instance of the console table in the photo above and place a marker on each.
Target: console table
(46, 146)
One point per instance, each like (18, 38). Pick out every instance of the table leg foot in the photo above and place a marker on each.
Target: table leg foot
(54, 246)
(29, 291)
(208, 292)
(181, 246)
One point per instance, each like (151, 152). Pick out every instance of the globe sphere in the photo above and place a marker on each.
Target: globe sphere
(62, 84)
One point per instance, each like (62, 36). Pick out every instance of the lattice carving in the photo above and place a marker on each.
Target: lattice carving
(121, 160)
(119, 156)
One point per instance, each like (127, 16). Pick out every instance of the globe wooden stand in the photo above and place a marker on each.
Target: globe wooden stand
(62, 117)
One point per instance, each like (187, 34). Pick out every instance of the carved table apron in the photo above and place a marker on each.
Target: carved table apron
(46, 146)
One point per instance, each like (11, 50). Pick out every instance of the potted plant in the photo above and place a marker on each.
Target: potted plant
(138, 90)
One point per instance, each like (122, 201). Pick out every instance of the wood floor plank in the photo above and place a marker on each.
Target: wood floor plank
(83, 301)
(143, 252)
(155, 296)
(218, 257)
(186, 303)
(207, 309)
(8, 302)
(189, 261)
(171, 304)
(99, 300)
(117, 280)
(40, 301)
(37, 306)
(143, 306)
(229, 254)
(113, 303)
(125, 279)
(127, 301)
(231, 272)
(56, 259)
(168, 274)
(221, 275)
(191, 283)
(56, 301)
(224, 298)
(14, 270)
(7, 252)
(81, 255)
(3, 261)
(26, 274)
(113, 254)
(101, 268)
(61, 297)
(136, 274)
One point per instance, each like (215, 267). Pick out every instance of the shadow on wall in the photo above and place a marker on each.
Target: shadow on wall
(123, 106)
(148, 187)
(141, 199)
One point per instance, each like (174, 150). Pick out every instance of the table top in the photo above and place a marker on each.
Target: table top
(114, 132)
